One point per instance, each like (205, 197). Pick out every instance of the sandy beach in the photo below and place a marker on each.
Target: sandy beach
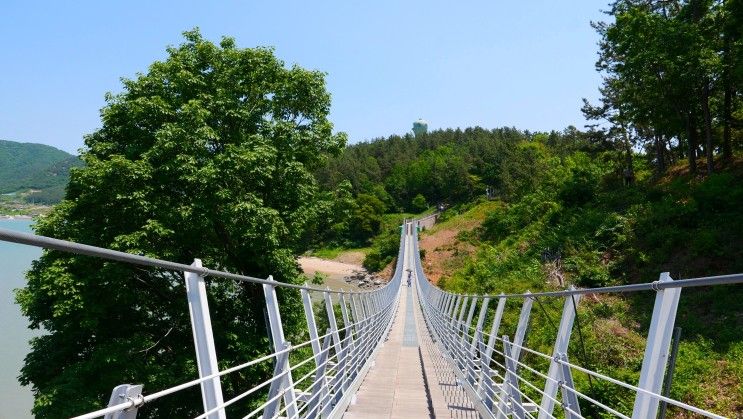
(336, 271)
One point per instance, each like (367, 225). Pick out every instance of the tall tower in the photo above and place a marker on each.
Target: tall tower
(420, 127)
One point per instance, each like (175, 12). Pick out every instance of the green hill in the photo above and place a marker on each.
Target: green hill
(25, 166)
(562, 211)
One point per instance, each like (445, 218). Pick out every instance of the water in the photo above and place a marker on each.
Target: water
(15, 259)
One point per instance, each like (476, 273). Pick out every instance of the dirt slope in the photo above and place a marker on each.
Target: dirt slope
(445, 248)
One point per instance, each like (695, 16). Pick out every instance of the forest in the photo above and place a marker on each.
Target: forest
(653, 184)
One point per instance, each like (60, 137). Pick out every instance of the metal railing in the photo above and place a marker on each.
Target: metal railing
(488, 364)
(340, 357)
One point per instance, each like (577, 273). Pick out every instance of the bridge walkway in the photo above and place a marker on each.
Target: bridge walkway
(409, 377)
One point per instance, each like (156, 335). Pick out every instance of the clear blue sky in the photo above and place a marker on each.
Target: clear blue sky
(457, 64)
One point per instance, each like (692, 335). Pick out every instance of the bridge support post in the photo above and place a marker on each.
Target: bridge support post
(446, 302)
(512, 392)
(458, 335)
(206, 354)
(347, 339)
(486, 390)
(474, 345)
(561, 347)
(656, 349)
(317, 352)
(121, 394)
(570, 402)
(368, 325)
(358, 347)
(465, 352)
(340, 353)
(515, 352)
(285, 383)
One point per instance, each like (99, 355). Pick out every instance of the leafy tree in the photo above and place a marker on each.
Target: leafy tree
(367, 218)
(670, 79)
(208, 155)
(419, 203)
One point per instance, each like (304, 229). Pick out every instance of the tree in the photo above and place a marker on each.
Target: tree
(670, 78)
(208, 155)
(366, 219)
(419, 203)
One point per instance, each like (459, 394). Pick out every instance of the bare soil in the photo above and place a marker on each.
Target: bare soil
(444, 252)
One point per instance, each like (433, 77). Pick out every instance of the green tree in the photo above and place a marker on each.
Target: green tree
(419, 203)
(670, 78)
(208, 155)
(366, 220)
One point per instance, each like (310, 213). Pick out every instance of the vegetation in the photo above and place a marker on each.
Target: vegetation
(399, 176)
(569, 232)
(37, 167)
(207, 155)
(673, 78)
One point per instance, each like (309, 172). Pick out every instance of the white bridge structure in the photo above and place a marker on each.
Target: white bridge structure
(406, 350)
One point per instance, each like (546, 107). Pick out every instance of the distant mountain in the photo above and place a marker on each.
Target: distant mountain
(25, 166)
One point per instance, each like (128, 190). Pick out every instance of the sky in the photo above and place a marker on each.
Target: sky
(525, 64)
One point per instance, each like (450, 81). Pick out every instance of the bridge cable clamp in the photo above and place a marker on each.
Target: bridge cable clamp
(655, 285)
(137, 402)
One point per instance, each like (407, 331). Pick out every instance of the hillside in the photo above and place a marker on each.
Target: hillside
(591, 232)
(562, 211)
(41, 168)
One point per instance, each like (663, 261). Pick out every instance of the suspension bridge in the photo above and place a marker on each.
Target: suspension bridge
(406, 350)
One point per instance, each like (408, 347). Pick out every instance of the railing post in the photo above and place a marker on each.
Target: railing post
(319, 384)
(446, 301)
(464, 353)
(656, 350)
(570, 402)
(359, 331)
(511, 385)
(454, 307)
(330, 311)
(518, 342)
(347, 338)
(486, 389)
(471, 376)
(561, 347)
(459, 327)
(468, 323)
(338, 347)
(206, 354)
(321, 406)
(285, 384)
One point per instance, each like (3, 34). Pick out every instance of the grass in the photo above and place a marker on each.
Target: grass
(332, 253)
(463, 217)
